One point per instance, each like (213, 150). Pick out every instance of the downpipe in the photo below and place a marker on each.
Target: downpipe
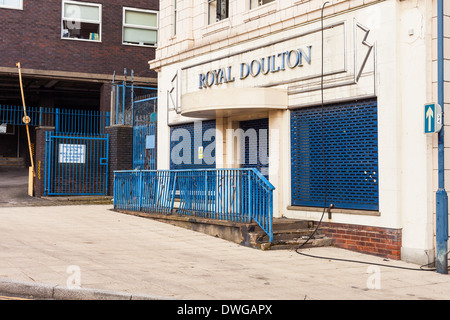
(441, 194)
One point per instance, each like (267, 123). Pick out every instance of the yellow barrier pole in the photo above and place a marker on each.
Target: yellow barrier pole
(26, 119)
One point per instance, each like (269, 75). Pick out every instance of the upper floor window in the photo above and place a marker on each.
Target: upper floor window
(81, 20)
(175, 13)
(257, 3)
(217, 10)
(11, 4)
(140, 27)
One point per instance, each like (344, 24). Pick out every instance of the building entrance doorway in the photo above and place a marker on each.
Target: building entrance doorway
(255, 145)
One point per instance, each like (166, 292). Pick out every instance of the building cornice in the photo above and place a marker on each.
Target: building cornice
(207, 45)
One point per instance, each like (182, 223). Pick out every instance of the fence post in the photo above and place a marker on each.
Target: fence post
(46, 163)
(107, 163)
(114, 192)
(108, 122)
(140, 191)
(57, 120)
(206, 190)
(117, 104)
(123, 102)
(250, 197)
(174, 190)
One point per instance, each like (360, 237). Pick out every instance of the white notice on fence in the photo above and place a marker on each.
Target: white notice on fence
(72, 153)
(150, 142)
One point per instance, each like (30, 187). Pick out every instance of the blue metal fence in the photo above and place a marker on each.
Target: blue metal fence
(239, 195)
(78, 122)
(126, 111)
(65, 121)
(13, 115)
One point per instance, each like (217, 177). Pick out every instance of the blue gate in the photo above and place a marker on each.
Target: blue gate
(76, 165)
(76, 154)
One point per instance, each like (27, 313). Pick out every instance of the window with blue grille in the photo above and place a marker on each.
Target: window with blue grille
(256, 145)
(345, 165)
(188, 140)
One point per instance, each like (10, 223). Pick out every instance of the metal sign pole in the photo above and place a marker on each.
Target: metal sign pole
(441, 194)
(26, 119)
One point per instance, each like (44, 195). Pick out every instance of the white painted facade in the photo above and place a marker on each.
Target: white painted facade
(384, 49)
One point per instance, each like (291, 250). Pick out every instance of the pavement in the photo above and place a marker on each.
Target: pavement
(14, 192)
(91, 252)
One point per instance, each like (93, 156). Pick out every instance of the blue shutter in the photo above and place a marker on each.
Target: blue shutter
(351, 155)
(253, 148)
(194, 162)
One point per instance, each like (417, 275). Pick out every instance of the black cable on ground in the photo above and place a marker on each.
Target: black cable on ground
(421, 268)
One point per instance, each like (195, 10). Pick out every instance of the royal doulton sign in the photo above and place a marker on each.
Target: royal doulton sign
(262, 66)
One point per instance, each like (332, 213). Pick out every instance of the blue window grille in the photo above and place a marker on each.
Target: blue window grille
(256, 151)
(350, 149)
(196, 140)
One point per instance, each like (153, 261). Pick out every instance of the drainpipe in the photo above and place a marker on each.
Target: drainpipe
(441, 194)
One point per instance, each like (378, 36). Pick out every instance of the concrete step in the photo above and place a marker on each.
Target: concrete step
(290, 225)
(289, 234)
(291, 245)
(12, 162)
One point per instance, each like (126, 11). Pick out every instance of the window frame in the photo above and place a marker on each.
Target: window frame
(124, 25)
(20, 7)
(209, 11)
(361, 194)
(259, 5)
(99, 22)
(175, 16)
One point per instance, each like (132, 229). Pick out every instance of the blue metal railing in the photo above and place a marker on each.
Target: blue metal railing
(66, 121)
(13, 115)
(239, 195)
(150, 191)
(78, 122)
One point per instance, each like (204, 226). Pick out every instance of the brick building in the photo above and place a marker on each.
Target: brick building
(70, 53)
(61, 65)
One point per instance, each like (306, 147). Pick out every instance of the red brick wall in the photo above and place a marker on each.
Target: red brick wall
(382, 242)
(120, 152)
(33, 37)
(39, 179)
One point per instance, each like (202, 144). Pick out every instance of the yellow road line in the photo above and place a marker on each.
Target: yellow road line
(12, 298)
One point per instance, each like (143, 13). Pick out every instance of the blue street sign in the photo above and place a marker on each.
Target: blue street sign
(433, 118)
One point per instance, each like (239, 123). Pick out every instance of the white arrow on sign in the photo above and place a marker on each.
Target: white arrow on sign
(429, 115)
